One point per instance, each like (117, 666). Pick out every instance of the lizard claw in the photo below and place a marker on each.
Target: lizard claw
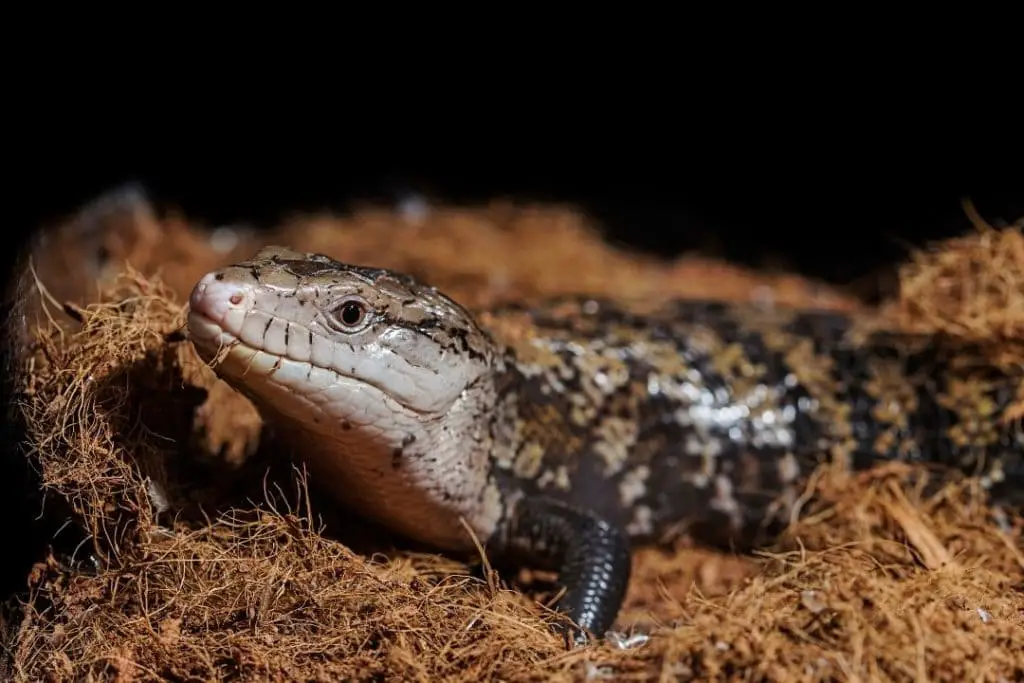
(573, 635)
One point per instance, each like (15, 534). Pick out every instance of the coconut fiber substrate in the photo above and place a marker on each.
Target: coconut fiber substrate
(202, 555)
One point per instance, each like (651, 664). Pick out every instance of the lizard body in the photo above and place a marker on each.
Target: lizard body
(564, 432)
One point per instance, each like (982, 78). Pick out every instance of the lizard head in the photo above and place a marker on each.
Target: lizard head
(329, 343)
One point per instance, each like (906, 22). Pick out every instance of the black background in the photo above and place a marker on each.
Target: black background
(829, 208)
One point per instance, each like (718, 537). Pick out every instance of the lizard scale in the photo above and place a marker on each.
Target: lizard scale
(563, 433)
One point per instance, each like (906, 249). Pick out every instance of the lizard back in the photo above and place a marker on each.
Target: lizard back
(707, 417)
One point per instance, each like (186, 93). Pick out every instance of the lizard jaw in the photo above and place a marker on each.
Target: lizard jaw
(420, 362)
(418, 469)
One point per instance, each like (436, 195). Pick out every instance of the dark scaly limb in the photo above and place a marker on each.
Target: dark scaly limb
(591, 556)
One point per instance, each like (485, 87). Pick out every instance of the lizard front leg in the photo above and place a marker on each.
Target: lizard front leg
(591, 556)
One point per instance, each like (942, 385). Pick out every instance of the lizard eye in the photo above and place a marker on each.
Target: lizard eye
(351, 315)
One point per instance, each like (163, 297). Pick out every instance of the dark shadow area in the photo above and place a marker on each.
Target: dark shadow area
(33, 521)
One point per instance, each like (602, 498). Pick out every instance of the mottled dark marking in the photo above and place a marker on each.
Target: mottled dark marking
(319, 266)
(753, 393)
(598, 425)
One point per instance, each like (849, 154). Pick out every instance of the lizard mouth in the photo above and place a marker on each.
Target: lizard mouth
(283, 341)
(252, 367)
(223, 350)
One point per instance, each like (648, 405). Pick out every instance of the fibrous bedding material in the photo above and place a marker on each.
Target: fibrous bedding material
(205, 556)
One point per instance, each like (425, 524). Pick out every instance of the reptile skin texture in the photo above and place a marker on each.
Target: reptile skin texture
(564, 432)
(591, 556)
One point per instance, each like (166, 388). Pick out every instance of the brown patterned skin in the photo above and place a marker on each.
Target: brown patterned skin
(565, 432)
(706, 418)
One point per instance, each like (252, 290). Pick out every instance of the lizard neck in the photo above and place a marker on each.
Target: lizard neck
(419, 475)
